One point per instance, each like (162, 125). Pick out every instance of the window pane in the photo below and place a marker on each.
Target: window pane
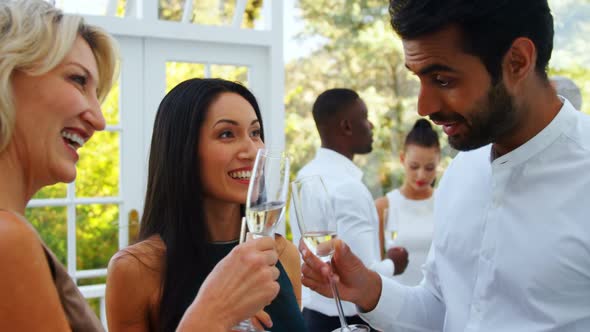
(231, 73)
(94, 7)
(121, 8)
(253, 14)
(96, 235)
(98, 167)
(213, 12)
(133, 220)
(171, 10)
(177, 72)
(94, 304)
(52, 225)
(58, 190)
(110, 107)
(207, 12)
(91, 281)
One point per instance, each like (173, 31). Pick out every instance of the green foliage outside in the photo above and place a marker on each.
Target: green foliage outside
(177, 72)
(210, 12)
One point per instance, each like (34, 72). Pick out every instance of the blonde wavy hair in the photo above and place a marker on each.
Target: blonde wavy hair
(35, 37)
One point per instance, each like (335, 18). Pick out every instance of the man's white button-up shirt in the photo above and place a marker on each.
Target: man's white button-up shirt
(511, 248)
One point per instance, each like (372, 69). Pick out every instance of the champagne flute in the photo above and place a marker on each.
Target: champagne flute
(317, 223)
(267, 192)
(265, 203)
(391, 228)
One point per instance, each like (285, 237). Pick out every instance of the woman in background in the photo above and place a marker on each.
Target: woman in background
(405, 214)
(205, 138)
(54, 71)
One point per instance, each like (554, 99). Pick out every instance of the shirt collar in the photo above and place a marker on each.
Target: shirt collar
(535, 145)
(334, 158)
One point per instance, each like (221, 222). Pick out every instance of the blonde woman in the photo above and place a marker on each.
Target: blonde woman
(54, 71)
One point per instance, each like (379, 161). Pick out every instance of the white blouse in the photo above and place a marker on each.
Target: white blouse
(413, 222)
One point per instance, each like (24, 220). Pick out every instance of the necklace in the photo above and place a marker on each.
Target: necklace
(225, 242)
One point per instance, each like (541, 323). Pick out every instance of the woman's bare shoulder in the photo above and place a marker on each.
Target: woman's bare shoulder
(136, 270)
(15, 232)
(382, 202)
(27, 279)
(289, 257)
(286, 249)
(147, 254)
(133, 284)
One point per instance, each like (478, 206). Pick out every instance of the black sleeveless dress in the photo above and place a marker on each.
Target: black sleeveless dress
(283, 310)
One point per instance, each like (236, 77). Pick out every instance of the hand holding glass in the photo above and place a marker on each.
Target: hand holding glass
(265, 203)
(317, 223)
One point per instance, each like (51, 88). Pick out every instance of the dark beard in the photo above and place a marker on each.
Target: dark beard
(491, 119)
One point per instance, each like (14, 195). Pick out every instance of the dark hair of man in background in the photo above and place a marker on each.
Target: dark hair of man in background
(341, 119)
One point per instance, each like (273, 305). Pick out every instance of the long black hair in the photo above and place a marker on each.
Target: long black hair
(174, 198)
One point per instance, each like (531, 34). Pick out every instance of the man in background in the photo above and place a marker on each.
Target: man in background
(341, 118)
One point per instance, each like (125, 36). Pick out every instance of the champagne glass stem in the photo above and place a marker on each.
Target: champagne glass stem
(243, 231)
(343, 324)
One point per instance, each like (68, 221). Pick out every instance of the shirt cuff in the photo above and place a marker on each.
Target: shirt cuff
(384, 267)
(389, 305)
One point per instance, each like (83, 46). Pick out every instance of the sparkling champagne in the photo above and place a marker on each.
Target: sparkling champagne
(262, 218)
(320, 243)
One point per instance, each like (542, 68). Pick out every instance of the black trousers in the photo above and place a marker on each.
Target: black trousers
(318, 322)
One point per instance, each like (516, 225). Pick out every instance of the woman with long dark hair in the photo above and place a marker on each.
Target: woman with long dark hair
(205, 138)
